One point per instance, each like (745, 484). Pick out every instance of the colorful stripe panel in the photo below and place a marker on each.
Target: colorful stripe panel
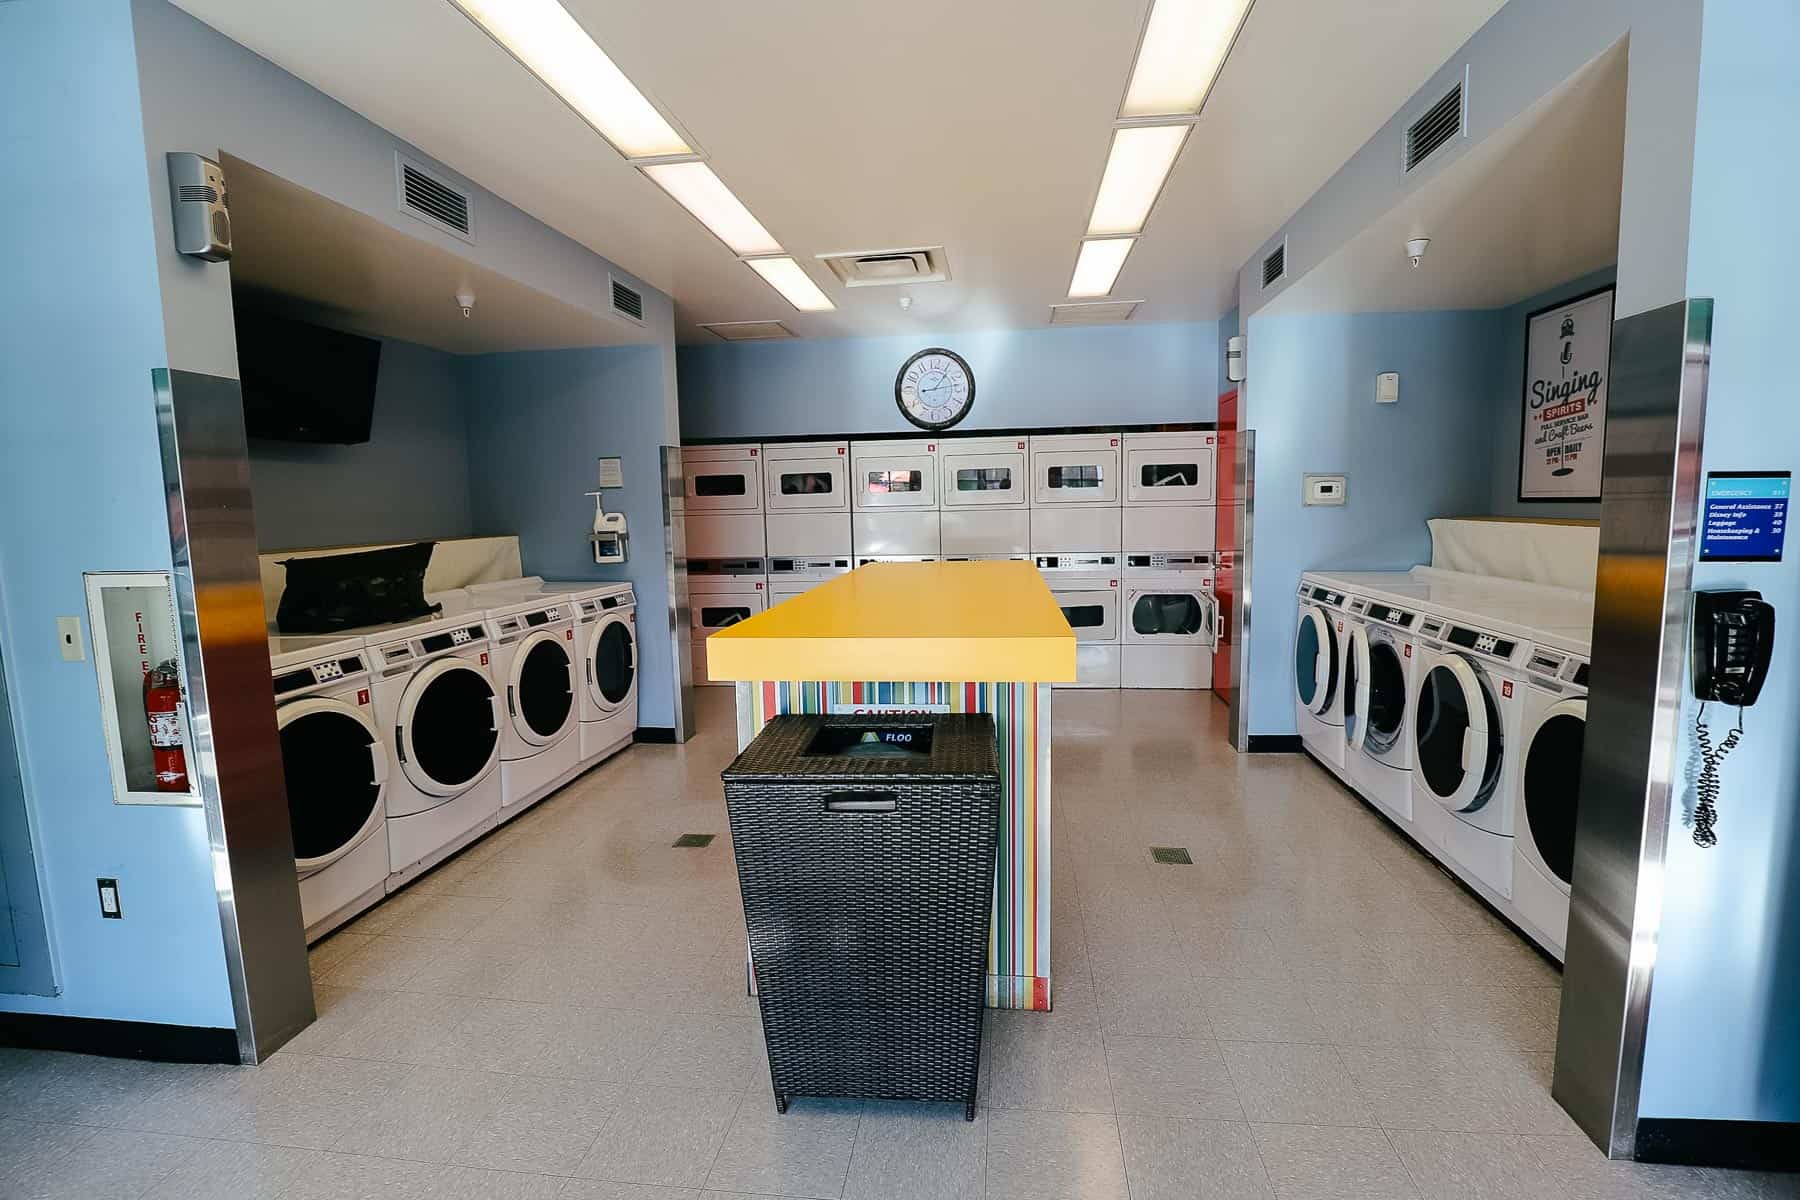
(1019, 933)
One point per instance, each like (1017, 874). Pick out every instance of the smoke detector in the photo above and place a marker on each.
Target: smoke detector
(1415, 250)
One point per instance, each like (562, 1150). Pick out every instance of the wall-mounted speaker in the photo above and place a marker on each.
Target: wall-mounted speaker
(1234, 359)
(201, 206)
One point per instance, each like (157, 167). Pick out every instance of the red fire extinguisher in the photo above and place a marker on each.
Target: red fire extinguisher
(162, 708)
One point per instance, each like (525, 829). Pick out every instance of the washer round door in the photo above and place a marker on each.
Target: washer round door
(540, 695)
(448, 732)
(1550, 788)
(612, 661)
(1383, 702)
(1316, 666)
(1456, 735)
(336, 770)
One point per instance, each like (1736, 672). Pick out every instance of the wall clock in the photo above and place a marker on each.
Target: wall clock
(935, 388)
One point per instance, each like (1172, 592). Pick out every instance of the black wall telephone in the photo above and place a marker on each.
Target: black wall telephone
(1734, 638)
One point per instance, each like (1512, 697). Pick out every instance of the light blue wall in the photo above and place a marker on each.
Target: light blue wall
(1508, 402)
(1315, 411)
(410, 480)
(80, 330)
(1724, 1038)
(1024, 378)
(538, 423)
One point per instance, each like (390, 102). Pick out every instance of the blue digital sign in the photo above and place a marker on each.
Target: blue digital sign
(1746, 516)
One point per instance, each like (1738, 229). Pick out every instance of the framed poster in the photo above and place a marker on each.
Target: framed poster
(1562, 446)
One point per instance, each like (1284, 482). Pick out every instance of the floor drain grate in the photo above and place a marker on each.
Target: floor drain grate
(694, 841)
(1177, 856)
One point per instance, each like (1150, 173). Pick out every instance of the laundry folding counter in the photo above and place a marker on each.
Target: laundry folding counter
(969, 637)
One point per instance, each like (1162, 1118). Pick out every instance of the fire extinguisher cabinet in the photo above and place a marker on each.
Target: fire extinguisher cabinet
(137, 659)
(865, 854)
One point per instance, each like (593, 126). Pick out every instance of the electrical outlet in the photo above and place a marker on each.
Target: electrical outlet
(1325, 490)
(68, 638)
(109, 899)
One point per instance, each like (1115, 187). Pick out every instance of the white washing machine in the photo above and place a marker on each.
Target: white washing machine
(790, 577)
(1468, 705)
(724, 501)
(895, 507)
(806, 498)
(534, 661)
(985, 500)
(1377, 696)
(1086, 587)
(722, 592)
(335, 760)
(1075, 494)
(1170, 491)
(1320, 641)
(1170, 621)
(434, 693)
(1546, 791)
(606, 644)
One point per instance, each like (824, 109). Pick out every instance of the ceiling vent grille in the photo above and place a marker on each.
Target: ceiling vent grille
(1435, 127)
(1097, 312)
(888, 268)
(1274, 267)
(748, 331)
(434, 201)
(628, 302)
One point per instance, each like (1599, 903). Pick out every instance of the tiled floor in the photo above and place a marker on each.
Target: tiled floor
(1310, 1010)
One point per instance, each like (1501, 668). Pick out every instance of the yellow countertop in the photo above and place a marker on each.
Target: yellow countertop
(916, 622)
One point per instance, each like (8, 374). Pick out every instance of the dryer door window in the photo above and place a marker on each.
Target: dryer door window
(448, 736)
(1157, 475)
(542, 695)
(732, 485)
(1316, 665)
(1552, 788)
(336, 770)
(1457, 736)
(1093, 615)
(1384, 710)
(1169, 616)
(808, 485)
(614, 664)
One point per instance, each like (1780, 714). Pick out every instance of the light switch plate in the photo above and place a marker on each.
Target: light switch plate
(68, 639)
(1326, 490)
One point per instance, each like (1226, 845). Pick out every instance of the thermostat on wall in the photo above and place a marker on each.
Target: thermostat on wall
(1324, 490)
(1387, 387)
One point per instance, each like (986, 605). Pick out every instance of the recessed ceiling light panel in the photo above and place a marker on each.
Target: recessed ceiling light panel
(1185, 44)
(1098, 266)
(695, 187)
(796, 286)
(1136, 168)
(553, 46)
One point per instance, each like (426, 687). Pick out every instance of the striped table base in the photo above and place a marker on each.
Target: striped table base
(1019, 936)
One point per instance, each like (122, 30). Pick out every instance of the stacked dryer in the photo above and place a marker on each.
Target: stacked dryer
(1169, 508)
(1075, 541)
(727, 541)
(896, 511)
(985, 498)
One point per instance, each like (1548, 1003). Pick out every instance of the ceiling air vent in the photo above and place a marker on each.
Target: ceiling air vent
(1274, 267)
(748, 331)
(628, 302)
(1435, 126)
(1097, 312)
(886, 268)
(434, 201)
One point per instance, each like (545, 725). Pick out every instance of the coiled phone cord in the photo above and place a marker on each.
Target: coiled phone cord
(1706, 791)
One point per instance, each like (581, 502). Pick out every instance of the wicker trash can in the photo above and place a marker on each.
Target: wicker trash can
(865, 855)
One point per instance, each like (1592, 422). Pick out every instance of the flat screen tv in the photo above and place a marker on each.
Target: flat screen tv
(303, 382)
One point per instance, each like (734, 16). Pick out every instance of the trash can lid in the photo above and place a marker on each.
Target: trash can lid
(922, 746)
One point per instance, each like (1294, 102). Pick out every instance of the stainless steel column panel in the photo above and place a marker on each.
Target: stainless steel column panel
(236, 751)
(674, 517)
(1242, 445)
(1656, 411)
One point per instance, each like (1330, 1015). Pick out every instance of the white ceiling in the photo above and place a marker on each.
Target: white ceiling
(1531, 206)
(300, 254)
(980, 126)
